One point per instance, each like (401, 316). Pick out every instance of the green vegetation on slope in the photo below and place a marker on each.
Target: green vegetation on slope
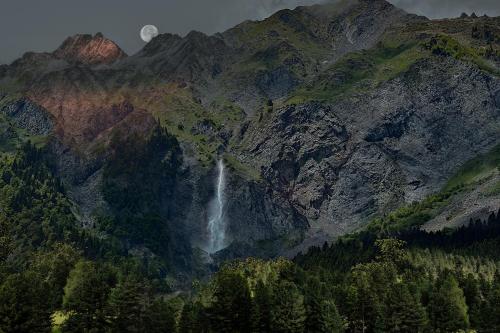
(476, 169)
(362, 284)
(12, 137)
(416, 214)
(189, 121)
(444, 45)
(360, 71)
(41, 242)
(139, 181)
(455, 287)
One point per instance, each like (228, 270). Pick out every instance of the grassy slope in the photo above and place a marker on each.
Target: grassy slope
(12, 137)
(472, 174)
(359, 72)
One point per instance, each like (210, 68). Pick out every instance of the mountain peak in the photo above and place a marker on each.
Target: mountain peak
(90, 50)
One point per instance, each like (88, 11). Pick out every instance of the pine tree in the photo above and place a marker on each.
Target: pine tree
(288, 314)
(491, 310)
(322, 314)
(404, 312)
(127, 307)
(191, 320)
(472, 293)
(5, 238)
(447, 306)
(55, 266)
(159, 318)
(231, 308)
(24, 304)
(261, 312)
(330, 320)
(364, 307)
(85, 298)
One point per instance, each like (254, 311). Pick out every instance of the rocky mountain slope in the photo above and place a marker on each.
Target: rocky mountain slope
(326, 116)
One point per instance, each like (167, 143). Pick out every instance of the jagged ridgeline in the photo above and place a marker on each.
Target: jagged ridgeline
(125, 179)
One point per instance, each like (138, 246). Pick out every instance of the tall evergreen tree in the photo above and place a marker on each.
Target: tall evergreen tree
(447, 307)
(159, 318)
(322, 314)
(364, 307)
(127, 306)
(192, 320)
(231, 308)
(261, 312)
(5, 238)
(288, 314)
(473, 298)
(54, 266)
(24, 305)
(405, 313)
(85, 298)
(491, 320)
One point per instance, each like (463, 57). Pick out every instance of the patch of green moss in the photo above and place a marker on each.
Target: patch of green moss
(58, 319)
(179, 113)
(418, 213)
(241, 168)
(444, 45)
(10, 86)
(360, 71)
(12, 137)
(415, 214)
(494, 190)
(476, 169)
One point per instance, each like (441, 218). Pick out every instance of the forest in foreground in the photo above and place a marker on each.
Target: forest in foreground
(61, 278)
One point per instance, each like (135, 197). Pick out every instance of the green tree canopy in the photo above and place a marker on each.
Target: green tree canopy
(447, 306)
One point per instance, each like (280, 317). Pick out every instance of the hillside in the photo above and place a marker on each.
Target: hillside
(326, 117)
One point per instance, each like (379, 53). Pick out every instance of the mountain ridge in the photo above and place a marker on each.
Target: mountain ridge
(327, 116)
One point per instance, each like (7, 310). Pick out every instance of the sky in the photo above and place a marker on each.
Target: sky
(42, 25)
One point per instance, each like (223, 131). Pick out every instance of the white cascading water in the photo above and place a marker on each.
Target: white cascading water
(216, 220)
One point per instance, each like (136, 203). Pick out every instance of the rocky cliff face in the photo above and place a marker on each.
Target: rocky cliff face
(340, 164)
(89, 50)
(326, 116)
(28, 116)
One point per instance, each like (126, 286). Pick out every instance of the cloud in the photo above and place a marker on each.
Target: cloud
(236, 11)
(449, 8)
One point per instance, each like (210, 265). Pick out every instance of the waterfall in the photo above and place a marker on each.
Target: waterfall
(216, 220)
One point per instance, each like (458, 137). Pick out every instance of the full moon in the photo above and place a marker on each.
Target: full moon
(148, 32)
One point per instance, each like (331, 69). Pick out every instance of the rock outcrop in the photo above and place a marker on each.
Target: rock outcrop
(342, 164)
(89, 50)
(29, 116)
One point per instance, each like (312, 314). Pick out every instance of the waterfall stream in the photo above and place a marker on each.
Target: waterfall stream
(216, 220)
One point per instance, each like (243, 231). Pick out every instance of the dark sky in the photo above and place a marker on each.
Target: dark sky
(41, 25)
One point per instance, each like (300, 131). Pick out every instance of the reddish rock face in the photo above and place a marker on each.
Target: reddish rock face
(90, 50)
(82, 116)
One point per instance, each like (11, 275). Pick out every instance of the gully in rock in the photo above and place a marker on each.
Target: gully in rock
(216, 219)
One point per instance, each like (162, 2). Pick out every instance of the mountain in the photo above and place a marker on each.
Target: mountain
(326, 117)
(89, 50)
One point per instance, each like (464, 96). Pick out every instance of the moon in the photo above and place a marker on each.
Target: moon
(149, 32)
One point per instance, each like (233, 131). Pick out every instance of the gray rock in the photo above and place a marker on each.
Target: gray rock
(341, 164)
(29, 116)
(497, 99)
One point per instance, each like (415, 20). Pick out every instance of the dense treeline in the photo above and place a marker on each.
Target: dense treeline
(56, 275)
(476, 235)
(139, 179)
(454, 282)
(52, 267)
